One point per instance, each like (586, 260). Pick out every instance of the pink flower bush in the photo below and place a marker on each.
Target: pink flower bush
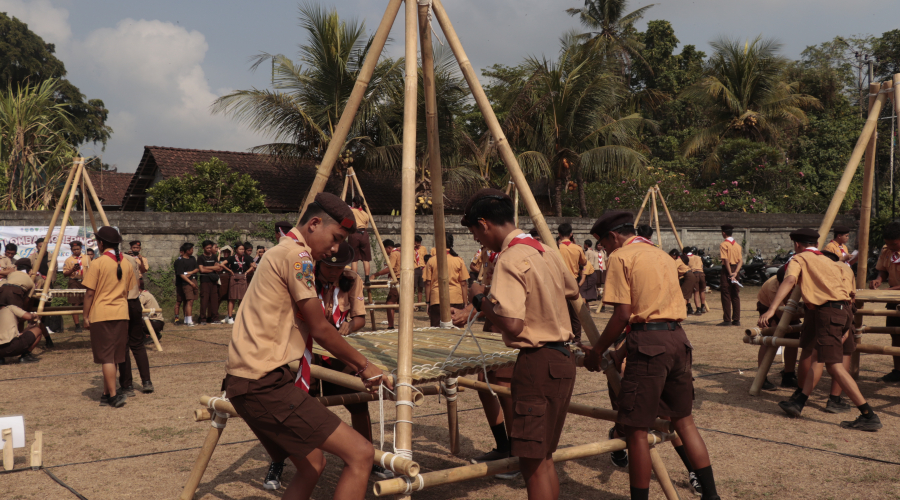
(734, 182)
(725, 192)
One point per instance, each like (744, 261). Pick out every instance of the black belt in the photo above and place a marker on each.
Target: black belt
(697, 272)
(662, 325)
(559, 346)
(836, 304)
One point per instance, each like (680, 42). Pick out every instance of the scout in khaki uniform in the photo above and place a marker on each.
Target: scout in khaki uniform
(476, 265)
(393, 296)
(838, 245)
(731, 254)
(106, 310)
(73, 268)
(43, 270)
(573, 257)
(359, 241)
(143, 263)
(764, 300)
(17, 285)
(642, 286)
(419, 272)
(148, 301)
(696, 265)
(527, 305)
(686, 278)
(276, 324)
(135, 337)
(459, 279)
(7, 262)
(12, 341)
(826, 325)
(888, 267)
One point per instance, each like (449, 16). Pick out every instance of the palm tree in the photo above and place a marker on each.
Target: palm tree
(308, 98)
(33, 148)
(744, 95)
(612, 30)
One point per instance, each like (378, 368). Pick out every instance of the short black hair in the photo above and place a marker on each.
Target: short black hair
(588, 243)
(564, 229)
(892, 230)
(728, 232)
(12, 246)
(206, 243)
(259, 247)
(496, 211)
(133, 243)
(389, 243)
(89, 249)
(39, 240)
(643, 230)
(831, 255)
(675, 252)
(315, 210)
(185, 247)
(427, 257)
(449, 240)
(75, 243)
(533, 232)
(418, 238)
(358, 200)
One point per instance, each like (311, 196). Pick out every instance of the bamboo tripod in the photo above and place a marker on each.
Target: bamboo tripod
(77, 174)
(652, 195)
(865, 145)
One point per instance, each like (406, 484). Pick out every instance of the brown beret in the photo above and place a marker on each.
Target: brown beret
(841, 230)
(727, 227)
(343, 257)
(337, 210)
(109, 234)
(25, 263)
(282, 228)
(614, 219)
(805, 235)
(480, 195)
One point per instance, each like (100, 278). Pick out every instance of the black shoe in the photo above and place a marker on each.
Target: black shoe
(148, 387)
(736, 322)
(128, 391)
(690, 310)
(768, 386)
(28, 358)
(890, 378)
(839, 406)
(698, 312)
(618, 458)
(725, 323)
(695, 484)
(367, 282)
(789, 380)
(118, 400)
(2, 361)
(490, 456)
(603, 309)
(148, 341)
(863, 423)
(381, 472)
(791, 408)
(798, 391)
(48, 342)
(273, 477)
(104, 400)
(704, 309)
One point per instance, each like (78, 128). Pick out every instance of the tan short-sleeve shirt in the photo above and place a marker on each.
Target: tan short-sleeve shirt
(351, 300)
(268, 330)
(19, 278)
(681, 267)
(647, 278)
(70, 262)
(476, 261)
(767, 292)
(110, 293)
(533, 286)
(819, 278)
(135, 291)
(885, 264)
(5, 262)
(847, 277)
(9, 323)
(836, 248)
(730, 251)
(362, 218)
(148, 301)
(395, 262)
(593, 258)
(587, 270)
(419, 256)
(572, 256)
(695, 263)
(458, 274)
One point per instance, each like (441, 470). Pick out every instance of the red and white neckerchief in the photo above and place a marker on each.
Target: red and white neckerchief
(640, 239)
(600, 265)
(840, 247)
(730, 240)
(80, 271)
(813, 250)
(305, 375)
(492, 256)
(895, 258)
(416, 250)
(566, 242)
(337, 318)
(112, 255)
(526, 239)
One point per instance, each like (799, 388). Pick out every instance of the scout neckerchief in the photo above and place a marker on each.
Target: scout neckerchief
(492, 256)
(813, 250)
(640, 239)
(840, 247)
(730, 240)
(895, 258)
(337, 317)
(80, 271)
(112, 255)
(416, 250)
(600, 264)
(526, 239)
(239, 260)
(303, 377)
(566, 242)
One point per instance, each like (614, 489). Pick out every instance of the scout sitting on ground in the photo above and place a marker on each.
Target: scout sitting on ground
(13, 342)
(276, 324)
(642, 286)
(14, 289)
(827, 301)
(148, 301)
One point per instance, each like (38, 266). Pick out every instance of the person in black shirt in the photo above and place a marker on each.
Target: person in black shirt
(209, 266)
(186, 282)
(238, 265)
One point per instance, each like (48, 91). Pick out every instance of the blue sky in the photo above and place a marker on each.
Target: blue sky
(159, 64)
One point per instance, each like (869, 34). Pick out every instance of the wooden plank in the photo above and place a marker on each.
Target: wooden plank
(37, 459)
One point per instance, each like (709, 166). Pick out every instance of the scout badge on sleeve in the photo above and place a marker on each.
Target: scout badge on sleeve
(308, 271)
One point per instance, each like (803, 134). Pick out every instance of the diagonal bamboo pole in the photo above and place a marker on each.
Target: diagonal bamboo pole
(51, 267)
(387, 258)
(507, 155)
(339, 136)
(669, 216)
(835, 205)
(43, 251)
(637, 218)
(93, 192)
(344, 189)
(655, 218)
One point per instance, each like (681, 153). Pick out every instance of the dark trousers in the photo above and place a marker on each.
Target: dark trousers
(157, 327)
(576, 322)
(135, 345)
(731, 298)
(209, 301)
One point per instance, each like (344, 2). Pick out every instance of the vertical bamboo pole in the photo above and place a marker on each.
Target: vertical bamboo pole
(51, 264)
(669, 216)
(202, 462)
(43, 251)
(507, 155)
(387, 258)
(516, 207)
(827, 221)
(637, 218)
(655, 218)
(344, 190)
(434, 163)
(8, 458)
(865, 217)
(403, 427)
(662, 475)
(90, 187)
(339, 136)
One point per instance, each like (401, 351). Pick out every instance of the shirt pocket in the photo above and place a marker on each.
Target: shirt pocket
(528, 421)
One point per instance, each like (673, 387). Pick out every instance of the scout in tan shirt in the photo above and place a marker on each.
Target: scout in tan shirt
(838, 245)
(642, 286)
(459, 276)
(7, 260)
(17, 286)
(888, 267)
(573, 257)
(393, 296)
(280, 317)
(73, 268)
(419, 270)
(359, 240)
(12, 342)
(731, 254)
(528, 306)
(696, 265)
(826, 326)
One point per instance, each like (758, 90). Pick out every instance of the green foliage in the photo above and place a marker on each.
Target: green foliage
(228, 237)
(213, 187)
(160, 280)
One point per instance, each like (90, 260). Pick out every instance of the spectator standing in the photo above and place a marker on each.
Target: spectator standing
(90, 253)
(43, 269)
(186, 282)
(143, 263)
(224, 276)
(238, 266)
(74, 268)
(459, 276)
(135, 336)
(209, 267)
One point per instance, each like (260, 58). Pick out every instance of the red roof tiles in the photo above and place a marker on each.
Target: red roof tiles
(110, 187)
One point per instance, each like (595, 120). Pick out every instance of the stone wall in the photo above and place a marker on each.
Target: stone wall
(163, 233)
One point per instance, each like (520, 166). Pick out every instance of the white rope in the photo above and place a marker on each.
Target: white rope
(468, 332)
(449, 389)
(211, 405)
(410, 482)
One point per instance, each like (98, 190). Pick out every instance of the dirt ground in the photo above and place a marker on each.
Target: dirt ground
(147, 449)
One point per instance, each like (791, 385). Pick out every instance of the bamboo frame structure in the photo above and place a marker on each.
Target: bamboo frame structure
(654, 194)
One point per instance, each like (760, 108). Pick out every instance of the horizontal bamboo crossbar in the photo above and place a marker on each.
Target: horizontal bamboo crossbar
(878, 312)
(879, 329)
(862, 348)
(392, 306)
(877, 296)
(769, 331)
(401, 485)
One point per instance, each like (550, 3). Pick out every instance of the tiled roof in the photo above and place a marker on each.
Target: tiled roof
(110, 186)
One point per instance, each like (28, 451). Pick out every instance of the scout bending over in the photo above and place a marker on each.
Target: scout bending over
(764, 300)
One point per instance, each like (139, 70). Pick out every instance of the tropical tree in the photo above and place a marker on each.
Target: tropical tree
(33, 147)
(611, 28)
(212, 187)
(743, 95)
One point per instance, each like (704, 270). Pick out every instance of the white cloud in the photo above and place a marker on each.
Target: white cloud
(50, 23)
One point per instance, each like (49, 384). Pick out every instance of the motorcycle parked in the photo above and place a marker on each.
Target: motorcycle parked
(753, 273)
(713, 273)
(777, 262)
(871, 272)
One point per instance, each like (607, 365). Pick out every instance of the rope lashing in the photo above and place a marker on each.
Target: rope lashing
(211, 405)
(449, 389)
(468, 332)
(381, 388)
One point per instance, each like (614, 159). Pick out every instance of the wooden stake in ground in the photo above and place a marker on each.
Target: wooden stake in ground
(788, 315)
(37, 458)
(8, 459)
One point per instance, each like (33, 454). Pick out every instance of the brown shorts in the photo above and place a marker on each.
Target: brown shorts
(393, 296)
(184, 293)
(434, 313)
(76, 300)
(238, 287)
(330, 389)
(418, 281)
(359, 242)
(700, 284)
(109, 341)
(850, 343)
(658, 381)
(823, 329)
(13, 295)
(541, 388)
(20, 344)
(287, 420)
(589, 289)
(688, 283)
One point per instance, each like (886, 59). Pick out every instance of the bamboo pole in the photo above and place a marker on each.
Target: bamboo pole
(202, 462)
(893, 330)
(396, 463)
(637, 217)
(830, 214)
(372, 307)
(43, 250)
(862, 348)
(52, 263)
(662, 475)
(452, 414)
(508, 156)
(399, 486)
(93, 192)
(655, 212)
(403, 426)
(153, 334)
(516, 207)
(669, 216)
(346, 183)
(387, 258)
(348, 115)
(877, 312)
(770, 330)
(434, 164)
(8, 458)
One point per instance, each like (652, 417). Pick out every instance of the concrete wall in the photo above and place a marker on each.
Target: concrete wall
(163, 233)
